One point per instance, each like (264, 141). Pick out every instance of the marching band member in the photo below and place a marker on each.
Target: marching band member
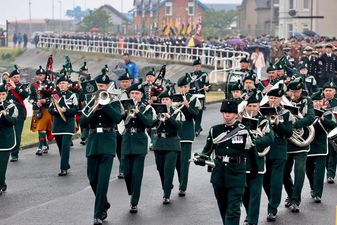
(309, 81)
(18, 93)
(63, 108)
(125, 82)
(41, 120)
(152, 90)
(330, 102)
(249, 84)
(236, 91)
(272, 78)
(252, 195)
(199, 85)
(315, 167)
(8, 118)
(166, 144)
(186, 133)
(297, 155)
(277, 156)
(229, 174)
(101, 147)
(135, 143)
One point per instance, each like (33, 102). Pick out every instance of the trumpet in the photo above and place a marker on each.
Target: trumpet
(131, 113)
(163, 116)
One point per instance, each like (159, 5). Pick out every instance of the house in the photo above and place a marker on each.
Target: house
(121, 23)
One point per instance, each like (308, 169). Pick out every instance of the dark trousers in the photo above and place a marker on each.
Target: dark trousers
(315, 174)
(98, 172)
(294, 188)
(331, 163)
(229, 201)
(272, 183)
(63, 144)
(133, 175)
(4, 157)
(252, 198)
(84, 133)
(119, 139)
(183, 164)
(18, 134)
(166, 162)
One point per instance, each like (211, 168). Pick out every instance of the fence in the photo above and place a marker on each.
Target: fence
(221, 60)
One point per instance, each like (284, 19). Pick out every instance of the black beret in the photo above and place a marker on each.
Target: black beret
(296, 84)
(229, 106)
(125, 76)
(15, 71)
(40, 71)
(62, 78)
(250, 76)
(151, 72)
(254, 97)
(244, 60)
(237, 86)
(184, 80)
(330, 84)
(136, 87)
(102, 79)
(317, 95)
(3, 88)
(197, 62)
(166, 94)
(276, 91)
(302, 66)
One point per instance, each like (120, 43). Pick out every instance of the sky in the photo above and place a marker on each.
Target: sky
(40, 9)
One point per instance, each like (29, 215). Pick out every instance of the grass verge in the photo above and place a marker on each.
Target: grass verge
(7, 55)
(214, 96)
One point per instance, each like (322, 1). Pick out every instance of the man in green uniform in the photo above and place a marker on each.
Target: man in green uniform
(190, 110)
(63, 108)
(8, 115)
(166, 144)
(277, 156)
(199, 85)
(263, 138)
(317, 155)
(135, 143)
(124, 83)
(18, 93)
(330, 102)
(236, 91)
(101, 147)
(297, 155)
(231, 142)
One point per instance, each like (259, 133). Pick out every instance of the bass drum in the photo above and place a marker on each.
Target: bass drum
(332, 138)
(232, 78)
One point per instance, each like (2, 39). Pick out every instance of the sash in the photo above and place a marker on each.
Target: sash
(20, 100)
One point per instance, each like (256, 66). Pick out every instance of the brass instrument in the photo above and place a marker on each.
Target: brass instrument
(59, 109)
(208, 162)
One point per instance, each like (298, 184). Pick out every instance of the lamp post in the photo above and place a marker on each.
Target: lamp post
(30, 17)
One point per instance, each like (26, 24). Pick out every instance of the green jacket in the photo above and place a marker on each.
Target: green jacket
(23, 93)
(187, 133)
(106, 117)
(228, 174)
(170, 127)
(307, 110)
(261, 143)
(319, 146)
(137, 143)
(68, 100)
(39, 91)
(7, 130)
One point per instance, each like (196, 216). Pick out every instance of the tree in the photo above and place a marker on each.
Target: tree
(217, 23)
(98, 19)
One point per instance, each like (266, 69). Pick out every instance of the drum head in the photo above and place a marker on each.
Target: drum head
(199, 95)
(332, 134)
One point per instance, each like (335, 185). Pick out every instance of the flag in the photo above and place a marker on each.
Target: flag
(183, 28)
(177, 25)
(189, 26)
(167, 28)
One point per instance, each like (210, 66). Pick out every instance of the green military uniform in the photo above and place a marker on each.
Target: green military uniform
(309, 81)
(18, 95)
(101, 149)
(315, 166)
(296, 154)
(134, 147)
(277, 156)
(7, 138)
(64, 130)
(166, 146)
(198, 82)
(252, 195)
(332, 155)
(187, 135)
(237, 87)
(229, 174)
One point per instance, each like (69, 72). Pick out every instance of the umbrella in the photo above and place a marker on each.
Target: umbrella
(94, 30)
(236, 41)
(309, 33)
(298, 36)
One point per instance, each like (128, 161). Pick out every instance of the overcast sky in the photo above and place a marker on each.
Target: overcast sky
(19, 9)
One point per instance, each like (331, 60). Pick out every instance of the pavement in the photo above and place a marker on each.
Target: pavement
(36, 195)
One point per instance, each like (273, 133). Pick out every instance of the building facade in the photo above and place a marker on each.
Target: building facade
(258, 17)
(293, 15)
(151, 16)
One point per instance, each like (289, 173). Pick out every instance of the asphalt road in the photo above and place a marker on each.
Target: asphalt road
(36, 195)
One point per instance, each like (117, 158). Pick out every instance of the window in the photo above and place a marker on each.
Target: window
(290, 29)
(191, 8)
(306, 4)
(291, 4)
(168, 9)
(305, 27)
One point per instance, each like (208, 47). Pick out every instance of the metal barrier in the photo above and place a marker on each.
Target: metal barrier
(221, 59)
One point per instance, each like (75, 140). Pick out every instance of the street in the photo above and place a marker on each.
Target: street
(36, 195)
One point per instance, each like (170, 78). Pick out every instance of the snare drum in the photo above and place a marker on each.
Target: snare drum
(332, 138)
(199, 95)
